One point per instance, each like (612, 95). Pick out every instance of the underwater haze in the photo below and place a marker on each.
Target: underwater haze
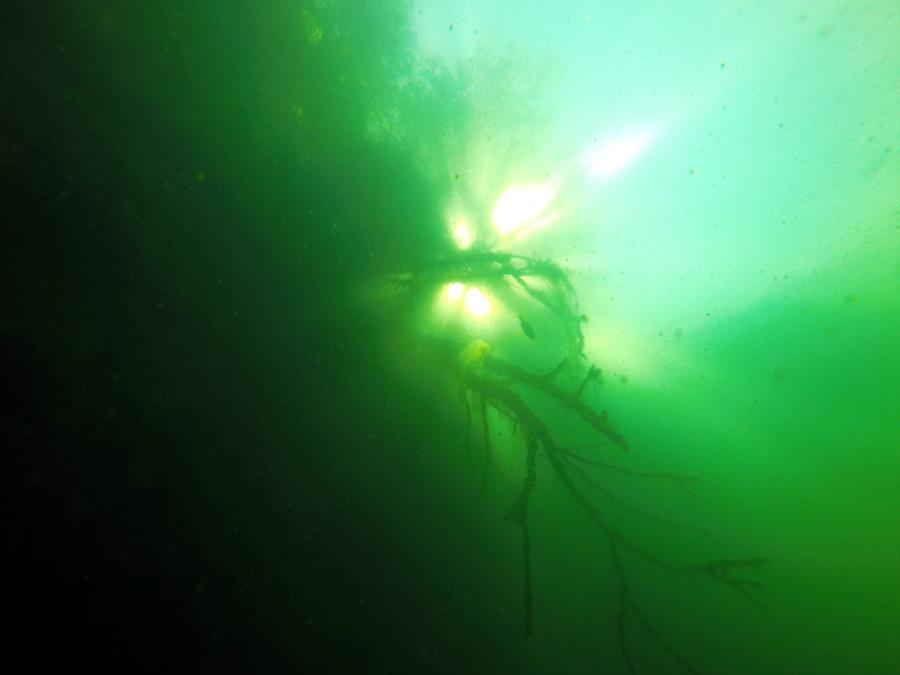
(443, 336)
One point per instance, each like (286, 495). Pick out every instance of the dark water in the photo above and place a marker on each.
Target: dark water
(231, 452)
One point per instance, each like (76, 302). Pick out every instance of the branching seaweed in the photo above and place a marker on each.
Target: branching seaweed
(508, 389)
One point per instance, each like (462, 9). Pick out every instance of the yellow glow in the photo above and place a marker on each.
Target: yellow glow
(462, 235)
(616, 153)
(473, 355)
(520, 204)
(455, 291)
(477, 303)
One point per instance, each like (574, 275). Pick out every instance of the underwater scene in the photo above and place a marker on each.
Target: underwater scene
(444, 336)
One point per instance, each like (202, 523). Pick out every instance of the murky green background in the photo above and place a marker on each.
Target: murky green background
(227, 452)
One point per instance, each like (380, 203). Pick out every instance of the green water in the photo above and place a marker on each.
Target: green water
(232, 449)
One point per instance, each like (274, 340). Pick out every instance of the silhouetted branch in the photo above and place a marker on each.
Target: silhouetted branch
(543, 384)
(680, 481)
(594, 374)
(503, 271)
(498, 383)
(624, 507)
(519, 513)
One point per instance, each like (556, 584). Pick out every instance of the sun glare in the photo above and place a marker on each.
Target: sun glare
(477, 303)
(455, 291)
(616, 153)
(521, 204)
(462, 235)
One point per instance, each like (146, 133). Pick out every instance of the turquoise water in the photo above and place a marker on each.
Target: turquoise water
(274, 389)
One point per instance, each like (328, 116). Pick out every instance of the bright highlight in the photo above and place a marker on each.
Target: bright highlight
(455, 291)
(520, 204)
(477, 303)
(462, 235)
(617, 153)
